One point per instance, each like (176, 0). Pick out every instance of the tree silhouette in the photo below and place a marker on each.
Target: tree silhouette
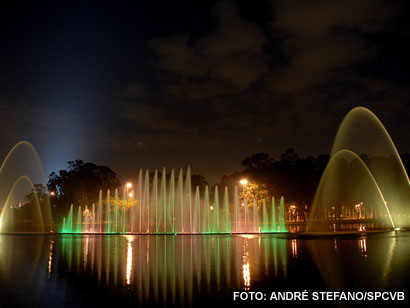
(80, 184)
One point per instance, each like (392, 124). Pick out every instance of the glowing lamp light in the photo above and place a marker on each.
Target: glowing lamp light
(243, 181)
(130, 194)
(52, 193)
(128, 185)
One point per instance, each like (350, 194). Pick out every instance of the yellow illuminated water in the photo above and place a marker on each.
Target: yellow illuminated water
(364, 175)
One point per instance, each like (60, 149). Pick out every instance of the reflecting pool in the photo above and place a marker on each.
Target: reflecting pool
(196, 270)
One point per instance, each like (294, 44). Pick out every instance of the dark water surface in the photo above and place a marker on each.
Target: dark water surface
(201, 270)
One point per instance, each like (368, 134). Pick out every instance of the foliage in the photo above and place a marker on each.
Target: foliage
(293, 177)
(80, 184)
(253, 191)
(198, 180)
(38, 190)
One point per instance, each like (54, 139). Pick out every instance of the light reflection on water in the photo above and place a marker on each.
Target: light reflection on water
(363, 247)
(294, 244)
(245, 266)
(172, 268)
(162, 270)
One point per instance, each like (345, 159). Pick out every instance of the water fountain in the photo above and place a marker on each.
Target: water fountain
(365, 178)
(353, 187)
(19, 172)
(166, 204)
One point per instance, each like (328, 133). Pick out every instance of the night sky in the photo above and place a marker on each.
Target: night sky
(147, 84)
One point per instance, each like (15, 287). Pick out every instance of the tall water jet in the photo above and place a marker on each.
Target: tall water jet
(93, 214)
(265, 222)
(85, 223)
(161, 206)
(180, 202)
(172, 200)
(188, 198)
(145, 201)
(282, 226)
(273, 210)
(236, 206)
(163, 201)
(100, 211)
(207, 213)
(108, 213)
(197, 211)
(255, 218)
(215, 212)
(124, 216)
(227, 222)
(245, 226)
(79, 221)
(154, 199)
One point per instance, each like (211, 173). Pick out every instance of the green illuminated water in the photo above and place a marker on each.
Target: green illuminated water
(164, 204)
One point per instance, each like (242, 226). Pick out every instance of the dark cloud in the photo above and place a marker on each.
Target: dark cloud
(144, 114)
(23, 120)
(328, 44)
(225, 61)
(321, 38)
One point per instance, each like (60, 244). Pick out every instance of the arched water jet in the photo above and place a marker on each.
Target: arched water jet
(333, 191)
(362, 132)
(21, 160)
(33, 151)
(6, 219)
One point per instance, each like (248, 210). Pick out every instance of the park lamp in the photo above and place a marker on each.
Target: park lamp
(128, 185)
(243, 181)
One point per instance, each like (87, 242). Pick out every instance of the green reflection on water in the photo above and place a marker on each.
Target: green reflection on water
(174, 268)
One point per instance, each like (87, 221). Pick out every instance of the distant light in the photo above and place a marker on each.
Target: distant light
(397, 229)
(130, 194)
(129, 185)
(243, 181)
(211, 208)
(52, 193)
